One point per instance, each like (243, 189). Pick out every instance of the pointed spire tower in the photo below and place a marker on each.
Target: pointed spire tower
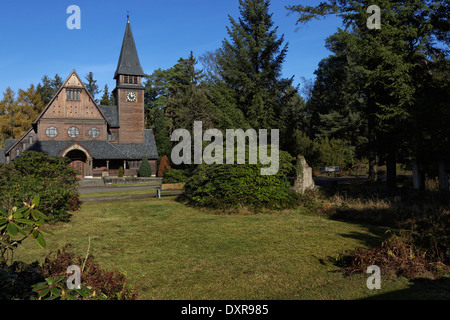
(129, 91)
(129, 60)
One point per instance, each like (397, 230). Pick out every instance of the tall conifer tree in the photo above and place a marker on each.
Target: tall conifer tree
(250, 63)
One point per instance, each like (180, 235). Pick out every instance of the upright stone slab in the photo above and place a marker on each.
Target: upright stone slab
(304, 180)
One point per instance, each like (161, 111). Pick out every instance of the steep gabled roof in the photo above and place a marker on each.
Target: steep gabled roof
(128, 61)
(60, 89)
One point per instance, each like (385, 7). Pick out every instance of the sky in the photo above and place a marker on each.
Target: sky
(35, 40)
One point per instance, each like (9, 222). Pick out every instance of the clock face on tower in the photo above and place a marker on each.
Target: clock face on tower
(131, 96)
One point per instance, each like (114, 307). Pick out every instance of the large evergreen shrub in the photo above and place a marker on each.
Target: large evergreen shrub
(241, 185)
(175, 176)
(35, 173)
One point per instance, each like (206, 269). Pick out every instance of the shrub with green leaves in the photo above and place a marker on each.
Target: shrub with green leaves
(175, 176)
(334, 152)
(19, 224)
(35, 173)
(241, 185)
(145, 170)
(323, 151)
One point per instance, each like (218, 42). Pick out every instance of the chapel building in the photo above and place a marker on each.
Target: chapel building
(96, 138)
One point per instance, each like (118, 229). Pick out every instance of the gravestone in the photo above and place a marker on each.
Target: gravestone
(304, 180)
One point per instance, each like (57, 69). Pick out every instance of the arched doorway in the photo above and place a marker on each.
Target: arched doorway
(78, 161)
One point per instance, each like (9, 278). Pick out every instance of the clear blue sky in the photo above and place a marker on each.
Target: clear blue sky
(36, 41)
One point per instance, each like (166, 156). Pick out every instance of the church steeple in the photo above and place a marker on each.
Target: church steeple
(129, 64)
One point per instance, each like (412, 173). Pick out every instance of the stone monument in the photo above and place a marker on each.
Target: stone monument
(304, 180)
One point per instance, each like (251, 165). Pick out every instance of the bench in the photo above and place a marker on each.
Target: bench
(330, 169)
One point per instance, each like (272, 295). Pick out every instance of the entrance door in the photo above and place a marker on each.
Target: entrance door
(79, 166)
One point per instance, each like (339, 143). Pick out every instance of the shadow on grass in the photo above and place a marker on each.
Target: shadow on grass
(377, 205)
(419, 289)
(373, 238)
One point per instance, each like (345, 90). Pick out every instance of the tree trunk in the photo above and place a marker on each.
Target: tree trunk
(391, 164)
(373, 167)
(373, 159)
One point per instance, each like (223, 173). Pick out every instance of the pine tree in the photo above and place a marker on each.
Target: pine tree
(389, 63)
(47, 88)
(145, 169)
(91, 85)
(106, 97)
(250, 63)
(335, 108)
(162, 134)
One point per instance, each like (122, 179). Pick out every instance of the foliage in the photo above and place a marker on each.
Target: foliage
(398, 256)
(112, 285)
(91, 85)
(54, 289)
(120, 174)
(19, 224)
(420, 248)
(16, 280)
(50, 178)
(303, 145)
(383, 85)
(250, 64)
(175, 176)
(334, 152)
(107, 98)
(174, 98)
(241, 185)
(323, 151)
(164, 164)
(48, 280)
(48, 87)
(335, 109)
(145, 170)
(17, 113)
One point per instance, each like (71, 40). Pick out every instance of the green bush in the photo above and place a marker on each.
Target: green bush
(323, 151)
(241, 185)
(145, 170)
(306, 147)
(35, 173)
(334, 152)
(175, 176)
(18, 224)
(120, 174)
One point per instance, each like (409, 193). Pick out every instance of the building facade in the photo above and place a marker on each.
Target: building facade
(94, 137)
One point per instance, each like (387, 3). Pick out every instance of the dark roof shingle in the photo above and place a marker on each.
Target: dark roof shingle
(128, 61)
(103, 149)
(111, 115)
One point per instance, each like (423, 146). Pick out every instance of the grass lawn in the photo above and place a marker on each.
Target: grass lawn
(170, 251)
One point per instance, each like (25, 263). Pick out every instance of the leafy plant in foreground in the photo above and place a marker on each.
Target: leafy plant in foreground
(19, 224)
(54, 288)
